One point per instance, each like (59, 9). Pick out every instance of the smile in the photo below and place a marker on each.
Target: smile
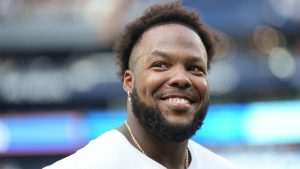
(177, 103)
(178, 100)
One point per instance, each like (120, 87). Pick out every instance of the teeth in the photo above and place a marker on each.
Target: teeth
(178, 100)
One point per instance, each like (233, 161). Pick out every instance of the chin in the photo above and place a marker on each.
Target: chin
(179, 121)
(166, 124)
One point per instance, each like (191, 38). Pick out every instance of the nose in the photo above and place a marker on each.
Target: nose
(179, 79)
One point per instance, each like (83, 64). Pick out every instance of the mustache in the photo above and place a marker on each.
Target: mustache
(187, 93)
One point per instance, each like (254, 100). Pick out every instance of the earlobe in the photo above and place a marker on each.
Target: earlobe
(128, 81)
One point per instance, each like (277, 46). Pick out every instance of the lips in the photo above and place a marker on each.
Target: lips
(178, 102)
(179, 98)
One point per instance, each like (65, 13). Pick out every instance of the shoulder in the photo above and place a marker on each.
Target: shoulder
(207, 159)
(100, 149)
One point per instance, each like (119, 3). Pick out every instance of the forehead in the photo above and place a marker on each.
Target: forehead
(171, 38)
(171, 33)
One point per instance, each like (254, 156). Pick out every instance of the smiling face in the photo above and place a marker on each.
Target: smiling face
(168, 81)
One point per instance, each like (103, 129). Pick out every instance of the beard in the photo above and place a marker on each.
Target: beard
(153, 120)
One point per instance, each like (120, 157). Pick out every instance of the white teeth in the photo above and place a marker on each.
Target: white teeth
(178, 100)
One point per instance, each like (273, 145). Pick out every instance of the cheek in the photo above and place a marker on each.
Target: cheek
(150, 84)
(155, 81)
(202, 86)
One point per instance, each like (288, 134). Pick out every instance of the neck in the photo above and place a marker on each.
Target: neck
(169, 154)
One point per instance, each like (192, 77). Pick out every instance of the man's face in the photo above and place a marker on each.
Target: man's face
(170, 91)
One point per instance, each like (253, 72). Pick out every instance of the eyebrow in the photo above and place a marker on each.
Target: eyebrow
(160, 53)
(166, 55)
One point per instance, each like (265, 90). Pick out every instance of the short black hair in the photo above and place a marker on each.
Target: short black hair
(156, 15)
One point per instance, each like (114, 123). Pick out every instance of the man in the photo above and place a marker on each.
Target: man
(164, 57)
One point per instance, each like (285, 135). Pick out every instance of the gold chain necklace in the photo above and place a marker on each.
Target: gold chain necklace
(140, 148)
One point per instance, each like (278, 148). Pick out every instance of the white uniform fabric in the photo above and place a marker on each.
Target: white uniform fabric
(113, 151)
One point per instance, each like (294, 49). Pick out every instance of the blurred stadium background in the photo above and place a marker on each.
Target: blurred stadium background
(59, 89)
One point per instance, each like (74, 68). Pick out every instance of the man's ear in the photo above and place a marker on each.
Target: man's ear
(128, 81)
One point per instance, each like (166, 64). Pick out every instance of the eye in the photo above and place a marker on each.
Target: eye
(197, 70)
(160, 65)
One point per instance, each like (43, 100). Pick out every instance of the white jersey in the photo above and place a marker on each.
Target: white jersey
(113, 151)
